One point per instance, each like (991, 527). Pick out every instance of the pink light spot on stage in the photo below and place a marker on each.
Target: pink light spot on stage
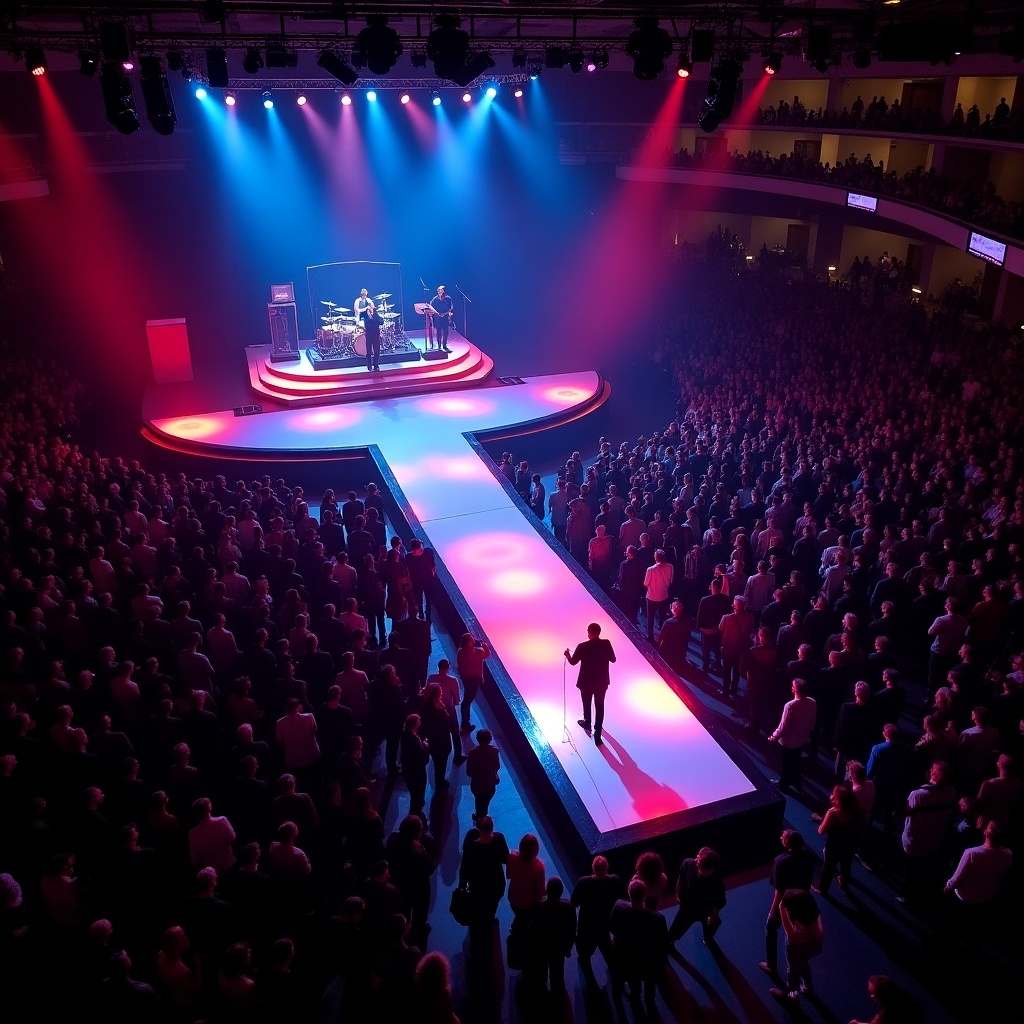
(444, 406)
(317, 420)
(519, 583)
(193, 426)
(539, 649)
(492, 551)
(565, 395)
(651, 698)
(466, 468)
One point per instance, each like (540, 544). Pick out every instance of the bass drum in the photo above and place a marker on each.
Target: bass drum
(359, 344)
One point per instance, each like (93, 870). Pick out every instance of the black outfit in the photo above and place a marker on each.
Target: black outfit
(372, 322)
(593, 656)
(595, 898)
(641, 949)
(699, 896)
(793, 869)
(442, 306)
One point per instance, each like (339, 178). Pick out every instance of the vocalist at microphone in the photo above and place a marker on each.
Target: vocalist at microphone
(594, 656)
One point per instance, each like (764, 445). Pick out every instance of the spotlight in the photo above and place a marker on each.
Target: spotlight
(519, 58)
(448, 46)
(600, 59)
(591, 66)
(300, 100)
(518, 93)
(556, 57)
(268, 100)
(404, 98)
(772, 62)
(648, 45)
(115, 41)
(418, 58)
(200, 93)
(380, 44)
(229, 100)
(685, 66)
(371, 97)
(156, 94)
(491, 92)
(217, 68)
(119, 98)
(35, 61)
(721, 94)
(252, 62)
(175, 60)
(702, 45)
(346, 100)
(476, 66)
(128, 65)
(279, 57)
(466, 98)
(337, 67)
(88, 62)
(576, 59)
(435, 97)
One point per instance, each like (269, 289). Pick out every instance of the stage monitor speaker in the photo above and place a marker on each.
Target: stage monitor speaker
(248, 410)
(284, 332)
(169, 351)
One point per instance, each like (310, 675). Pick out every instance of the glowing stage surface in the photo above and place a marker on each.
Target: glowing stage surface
(660, 769)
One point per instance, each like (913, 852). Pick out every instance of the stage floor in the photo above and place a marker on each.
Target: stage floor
(658, 759)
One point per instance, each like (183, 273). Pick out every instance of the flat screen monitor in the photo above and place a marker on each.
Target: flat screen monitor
(987, 248)
(859, 202)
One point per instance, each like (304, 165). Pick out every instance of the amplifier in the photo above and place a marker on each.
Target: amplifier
(284, 331)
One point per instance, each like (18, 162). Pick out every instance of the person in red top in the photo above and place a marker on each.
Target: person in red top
(470, 660)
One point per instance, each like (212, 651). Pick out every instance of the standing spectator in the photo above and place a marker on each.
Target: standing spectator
(595, 895)
(805, 934)
(794, 733)
(674, 638)
(552, 934)
(482, 872)
(482, 764)
(710, 612)
(296, 734)
(929, 811)
(470, 660)
(640, 942)
(737, 629)
(432, 991)
(792, 869)
(210, 839)
(843, 828)
(658, 583)
(700, 892)
(414, 755)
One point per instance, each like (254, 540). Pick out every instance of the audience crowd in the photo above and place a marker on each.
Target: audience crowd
(966, 199)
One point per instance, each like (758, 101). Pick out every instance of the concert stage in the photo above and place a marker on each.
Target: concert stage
(667, 777)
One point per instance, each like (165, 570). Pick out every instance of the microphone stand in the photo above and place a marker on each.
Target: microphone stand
(465, 312)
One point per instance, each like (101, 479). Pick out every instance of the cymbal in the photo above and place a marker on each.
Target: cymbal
(389, 316)
(331, 319)
(326, 302)
(383, 295)
(343, 309)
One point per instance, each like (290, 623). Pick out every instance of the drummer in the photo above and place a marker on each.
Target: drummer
(360, 306)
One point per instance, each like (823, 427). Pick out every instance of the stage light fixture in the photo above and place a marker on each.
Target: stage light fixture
(818, 46)
(600, 59)
(448, 46)
(88, 62)
(380, 43)
(371, 97)
(217, 68)
(268, 99)
(684, 68)
(772, 62)
(156, 94)
(278, 56)
(175, 60)
(721, 94)
(556, 57)
(576, 60)
(477, 65)
(346, 100)
(518, 93)
(702, 45)
(252, 62)
(119, 98)
(300, 100)
(591, 66)
(466, 98)
(115, 41)
(200, 93)
(435, 97)
(212, 11)
(649, 45)
(230, 99)
(35, 61)
(519, 58)
(491, 92)
(337, 67)
(418, 58)
(404, 98)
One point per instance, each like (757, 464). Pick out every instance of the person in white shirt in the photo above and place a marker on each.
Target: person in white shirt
(980, 873)
(658, 581)
(794, 733)
(210, 840)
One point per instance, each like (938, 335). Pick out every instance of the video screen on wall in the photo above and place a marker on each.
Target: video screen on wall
(859, 202)
(986, 248)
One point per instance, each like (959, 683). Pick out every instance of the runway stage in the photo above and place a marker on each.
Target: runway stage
(666, 776)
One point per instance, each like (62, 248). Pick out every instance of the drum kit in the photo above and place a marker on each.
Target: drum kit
(342, 334)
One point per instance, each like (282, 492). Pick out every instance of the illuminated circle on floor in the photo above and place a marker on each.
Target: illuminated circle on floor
(194, 426)
(319, 420)
(461, 406)
(519, 582)
(491, 551)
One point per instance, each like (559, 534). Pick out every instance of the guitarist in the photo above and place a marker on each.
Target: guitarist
(443, 308)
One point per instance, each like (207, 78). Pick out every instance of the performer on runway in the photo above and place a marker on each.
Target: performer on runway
(593, 656)
(442, 306)
(373, 322)
(361, 304)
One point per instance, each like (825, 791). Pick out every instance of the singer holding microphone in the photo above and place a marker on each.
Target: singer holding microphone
(442, 306)
(593, 656)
